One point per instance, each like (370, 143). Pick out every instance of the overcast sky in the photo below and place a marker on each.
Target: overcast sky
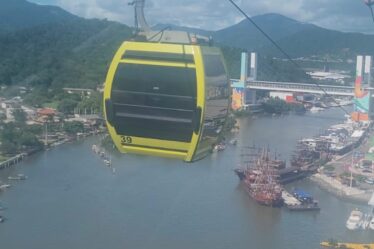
(344, 15)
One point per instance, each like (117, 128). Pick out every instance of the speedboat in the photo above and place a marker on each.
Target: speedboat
(18, 177)
(354, 221)
(4, 186)
(371, 225)
(366, 222)
(315, 109)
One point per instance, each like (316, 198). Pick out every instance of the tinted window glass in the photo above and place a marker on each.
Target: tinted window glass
(217, 101)
(157, 56)
(154, 101)
(213, 65)
(178, 81)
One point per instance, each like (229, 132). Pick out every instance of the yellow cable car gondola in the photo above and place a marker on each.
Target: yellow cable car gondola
(167, 98)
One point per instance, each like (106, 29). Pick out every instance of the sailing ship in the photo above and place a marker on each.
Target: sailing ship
(260, 180)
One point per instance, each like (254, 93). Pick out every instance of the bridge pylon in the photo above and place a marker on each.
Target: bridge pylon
(363, 103)
(242, 97)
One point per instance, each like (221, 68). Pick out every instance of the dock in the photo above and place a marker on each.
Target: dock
(12, 161)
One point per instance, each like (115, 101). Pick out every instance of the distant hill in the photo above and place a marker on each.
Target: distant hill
(72, 53)
(20, 14)
(245, 35)
(319, 41)
(297, 38)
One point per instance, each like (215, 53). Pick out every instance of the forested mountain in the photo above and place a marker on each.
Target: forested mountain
(245, 35)
(20, 14)
(297, 38)
(72, 53)
(47, 46)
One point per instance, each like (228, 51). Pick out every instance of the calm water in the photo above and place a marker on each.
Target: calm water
(71, 200)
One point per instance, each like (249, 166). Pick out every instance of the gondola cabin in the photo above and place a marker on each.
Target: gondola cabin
(168, 100)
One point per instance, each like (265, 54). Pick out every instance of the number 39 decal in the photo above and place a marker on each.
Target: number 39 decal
(126, 140)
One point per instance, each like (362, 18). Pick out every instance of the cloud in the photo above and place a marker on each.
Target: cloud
(345, 15)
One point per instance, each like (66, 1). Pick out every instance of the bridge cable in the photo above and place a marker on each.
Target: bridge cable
(285, 53)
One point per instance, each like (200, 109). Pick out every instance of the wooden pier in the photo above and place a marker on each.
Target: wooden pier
(12, 161)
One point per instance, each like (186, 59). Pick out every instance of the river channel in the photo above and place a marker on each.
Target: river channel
(72, 200)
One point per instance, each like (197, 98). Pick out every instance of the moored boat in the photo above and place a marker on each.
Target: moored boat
(307, 202)
(18, 177)
(261, 181)
(371, 224)
(355, 219)
(4, 186)
(329, 244)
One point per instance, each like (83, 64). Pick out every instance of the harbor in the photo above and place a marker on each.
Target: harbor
(200, 205)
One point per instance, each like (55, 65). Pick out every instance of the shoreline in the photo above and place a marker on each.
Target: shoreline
(13, 161)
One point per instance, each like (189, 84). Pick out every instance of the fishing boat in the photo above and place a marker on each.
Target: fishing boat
(355, 220)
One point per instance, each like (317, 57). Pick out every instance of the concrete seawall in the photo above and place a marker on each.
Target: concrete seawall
(342, 191)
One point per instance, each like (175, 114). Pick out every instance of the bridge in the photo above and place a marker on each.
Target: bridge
(299, 87)
(362, 91)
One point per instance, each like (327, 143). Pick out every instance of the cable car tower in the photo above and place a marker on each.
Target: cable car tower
(140, 22)
(370, 4)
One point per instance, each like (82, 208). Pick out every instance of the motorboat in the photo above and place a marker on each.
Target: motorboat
(315, 109)
(18, 177)
(371, 225)
(354, 221)
(366, 221)
(4, 186)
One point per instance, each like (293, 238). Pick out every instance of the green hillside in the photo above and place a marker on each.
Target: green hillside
(61, 50)
(74, 53)
(20, 14)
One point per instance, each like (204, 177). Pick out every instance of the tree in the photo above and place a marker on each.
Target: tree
(28, 139)
(8, 148)
(19, 116)
(92, 102)
(67, 106)
(34, 129)
(73, 127)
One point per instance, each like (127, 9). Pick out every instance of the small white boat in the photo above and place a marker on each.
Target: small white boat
(4, 186)
(107, 162)
(219, 147)
(18, 177)
(366, 222)
(371, 225)
(354, 221)
(316, 109)
(233, 142)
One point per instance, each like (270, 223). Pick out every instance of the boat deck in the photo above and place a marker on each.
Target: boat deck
(347, 245)
(289, 200)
